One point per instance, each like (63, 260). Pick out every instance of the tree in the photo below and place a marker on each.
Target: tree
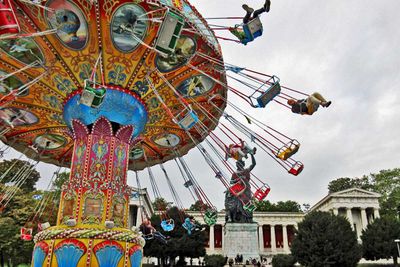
(341, 184)
(59, 181)
(378, 239)
(386, 182)
(18, 168)
(281, 206)
(288, 206)
(198, 206)
(324, 239)
(215, 260)
(179, 244)
(160, 204)
(16, 214)
(283, 260)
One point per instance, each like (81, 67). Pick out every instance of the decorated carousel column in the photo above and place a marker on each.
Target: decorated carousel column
(93, 214)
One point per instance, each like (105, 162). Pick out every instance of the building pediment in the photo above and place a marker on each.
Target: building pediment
(355, 192)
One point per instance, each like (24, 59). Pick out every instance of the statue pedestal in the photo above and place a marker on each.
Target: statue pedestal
(241, 238)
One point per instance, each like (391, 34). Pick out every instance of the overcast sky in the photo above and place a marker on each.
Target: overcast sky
(346, 49)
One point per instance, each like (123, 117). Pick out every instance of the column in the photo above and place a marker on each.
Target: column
(285, 238)
(273, 239)
(335, 211)
(223, 236)
(260, 238)
(376, 213)
(350, 217)
(364, 219)
(139, 218)
(211, 238)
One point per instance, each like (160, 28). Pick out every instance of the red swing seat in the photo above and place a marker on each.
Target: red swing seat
(238, 188)
(8, 21)
(26, 234)
(297, 168)
(262, 192)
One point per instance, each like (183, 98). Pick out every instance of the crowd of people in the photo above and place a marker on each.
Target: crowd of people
(238, 260)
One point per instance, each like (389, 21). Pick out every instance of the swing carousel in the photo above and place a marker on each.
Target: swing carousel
(103, 87)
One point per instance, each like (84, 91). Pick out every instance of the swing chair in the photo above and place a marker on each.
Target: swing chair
(262, 192)
(186, 119)
(238, 188)
(8, 20)
(260, 98)
(249, 206)
(92, 96)
(188, 226)
(169, 32)
(252, 30)
(168, 225)
(210, 216)
(26, 234)
(288, 150)
(296, 168)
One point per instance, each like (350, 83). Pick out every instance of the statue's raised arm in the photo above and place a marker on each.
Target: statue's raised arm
(253, 163)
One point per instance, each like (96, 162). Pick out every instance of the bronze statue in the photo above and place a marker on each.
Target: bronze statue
(234, 211)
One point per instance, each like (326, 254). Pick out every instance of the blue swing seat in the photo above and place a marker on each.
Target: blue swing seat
(188, 120)
(168, 225)
(260, 98)
(253, 29)
(188, 226)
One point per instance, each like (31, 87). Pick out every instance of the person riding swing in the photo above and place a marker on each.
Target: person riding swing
(247, 34)
(309, 105)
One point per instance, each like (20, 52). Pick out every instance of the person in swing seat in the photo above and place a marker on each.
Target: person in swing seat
(250, 15)
(148, 229)
(309, 105)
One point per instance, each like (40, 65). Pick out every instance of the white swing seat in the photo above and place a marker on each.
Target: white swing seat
(92, 94)
(169, 32)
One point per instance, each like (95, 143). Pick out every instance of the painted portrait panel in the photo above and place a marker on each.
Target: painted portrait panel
(93, 207)
(184, 50)
(68, 207)
(195, 86)
(23, 49)
(17, 117)
(11, 83)
(71, 25)
(167, 140)
(50, 141)
(128, 27)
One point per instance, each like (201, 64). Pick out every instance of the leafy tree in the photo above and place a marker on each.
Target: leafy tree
(198, 206)
(341, 184)
(14, 216)
(179, 243)
(15, 167)
(386, 182)
(160, 204)
(324, 239)
(283, 260)
(378, 239)
(59, 181)
(288, 206)
(215, 260)
(281, 206)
